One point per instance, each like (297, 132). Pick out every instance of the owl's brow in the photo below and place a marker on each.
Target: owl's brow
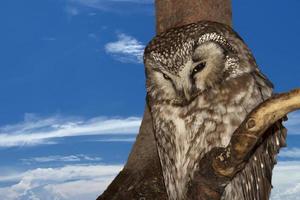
(160, 70)
(196, 58)
(157, 69)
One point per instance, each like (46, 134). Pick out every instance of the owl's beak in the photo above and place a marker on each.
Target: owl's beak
(186, 93)
(186, 90)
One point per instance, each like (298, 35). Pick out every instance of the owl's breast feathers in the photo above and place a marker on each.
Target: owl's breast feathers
(185, 134)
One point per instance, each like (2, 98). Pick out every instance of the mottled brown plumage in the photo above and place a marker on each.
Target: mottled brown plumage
(202, 81)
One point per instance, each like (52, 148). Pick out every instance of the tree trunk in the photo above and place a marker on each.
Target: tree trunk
(141, 178)
(173, 13)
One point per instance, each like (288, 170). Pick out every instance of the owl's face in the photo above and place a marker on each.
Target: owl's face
(177, 72)
(204, 69)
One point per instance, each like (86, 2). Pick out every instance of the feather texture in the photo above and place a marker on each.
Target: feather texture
(195, 111)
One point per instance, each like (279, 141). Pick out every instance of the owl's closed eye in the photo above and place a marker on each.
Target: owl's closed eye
(202, 69)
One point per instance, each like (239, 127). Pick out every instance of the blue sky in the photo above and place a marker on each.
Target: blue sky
(72, 89)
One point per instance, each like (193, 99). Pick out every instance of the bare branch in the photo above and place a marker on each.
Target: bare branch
(253, 128)
(220, 165)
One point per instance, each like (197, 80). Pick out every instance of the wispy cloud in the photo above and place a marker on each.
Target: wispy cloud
(74, 182)
(48, 39)
(59, 158)
(293, 123)
(126, 49)
(131, 139)
(78, 182)
(286, 181)
(35, 130)
(72, 10)
(293, 153)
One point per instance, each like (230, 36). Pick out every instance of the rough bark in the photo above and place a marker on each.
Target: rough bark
(141, 177)
(173, 13)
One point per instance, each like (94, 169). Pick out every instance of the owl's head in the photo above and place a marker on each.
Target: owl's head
(184, 62)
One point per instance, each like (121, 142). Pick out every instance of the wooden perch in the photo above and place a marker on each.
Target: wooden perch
(220, 165)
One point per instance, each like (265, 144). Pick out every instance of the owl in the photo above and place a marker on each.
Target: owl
(202, 81)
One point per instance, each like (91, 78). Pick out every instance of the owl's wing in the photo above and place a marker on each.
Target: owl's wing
(254, 182)
(264, 84)
(262, 79)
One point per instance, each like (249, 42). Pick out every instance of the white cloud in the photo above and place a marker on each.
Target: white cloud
(116, 140)
(293, 123)
(48, 39)
(74, 182)
(59, 158)
(72, 10)
(79, 182)
(36, 130)
(290, 153)
(126, 49)
(286, 181)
